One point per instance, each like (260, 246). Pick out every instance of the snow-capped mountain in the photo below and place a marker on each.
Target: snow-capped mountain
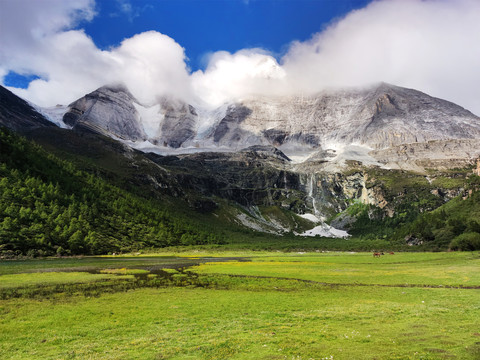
(324, 125)
(237, 151)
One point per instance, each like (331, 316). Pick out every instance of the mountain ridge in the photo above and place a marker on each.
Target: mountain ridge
(377, 118)
(260, 187)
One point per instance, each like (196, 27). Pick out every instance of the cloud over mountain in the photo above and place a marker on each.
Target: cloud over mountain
(429, 45)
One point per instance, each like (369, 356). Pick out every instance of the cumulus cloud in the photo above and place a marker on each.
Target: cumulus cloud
(430, 45)
(70, 64)
(149, 64)
(233, 76)
(24, 25)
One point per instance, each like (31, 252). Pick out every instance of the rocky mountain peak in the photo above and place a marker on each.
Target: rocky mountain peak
(385, 105)
(379, 117)
(266, 151)
(108, 110)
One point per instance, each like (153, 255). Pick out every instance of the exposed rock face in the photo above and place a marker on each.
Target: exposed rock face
(430, 154)
(108, 110)
(254, 176)
(113, 111)
(401, 125)
(18, 115)
(228, 131)
(178, 125)
(380, 117)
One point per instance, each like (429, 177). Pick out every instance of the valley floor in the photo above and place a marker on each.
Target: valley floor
(250, 305)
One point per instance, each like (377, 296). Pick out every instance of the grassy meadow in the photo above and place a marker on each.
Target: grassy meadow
(242, 305)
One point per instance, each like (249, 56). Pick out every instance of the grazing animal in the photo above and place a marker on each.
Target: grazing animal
(391, 253)
(376, 254)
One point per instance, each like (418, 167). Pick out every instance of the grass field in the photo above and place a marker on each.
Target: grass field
(273, 306)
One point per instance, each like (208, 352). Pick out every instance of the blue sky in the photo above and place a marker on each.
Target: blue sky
(209, 52)
(202, 27)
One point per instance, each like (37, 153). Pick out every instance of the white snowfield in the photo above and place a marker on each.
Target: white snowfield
(325, 230)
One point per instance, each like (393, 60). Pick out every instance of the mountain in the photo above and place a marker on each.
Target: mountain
(17, 114)
(324, 126)
(367, 161)
(109, 111)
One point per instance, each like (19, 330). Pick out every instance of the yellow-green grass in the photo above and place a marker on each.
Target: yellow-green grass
(429, 269)
(309, 323)
(236, 317)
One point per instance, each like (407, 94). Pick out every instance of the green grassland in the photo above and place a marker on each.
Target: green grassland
(262, 305)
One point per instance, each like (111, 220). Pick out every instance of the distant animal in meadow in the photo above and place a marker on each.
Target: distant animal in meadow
(376, 254)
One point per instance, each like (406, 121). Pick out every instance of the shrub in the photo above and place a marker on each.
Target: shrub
(466, 242)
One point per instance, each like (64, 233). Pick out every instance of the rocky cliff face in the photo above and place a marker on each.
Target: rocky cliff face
(178, 125)
(109, 111)
(395, 122)
(382, 117)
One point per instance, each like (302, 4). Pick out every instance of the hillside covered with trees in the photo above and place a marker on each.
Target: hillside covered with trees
(48, 206)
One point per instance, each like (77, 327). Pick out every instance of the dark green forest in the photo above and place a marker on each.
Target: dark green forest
(48, 207)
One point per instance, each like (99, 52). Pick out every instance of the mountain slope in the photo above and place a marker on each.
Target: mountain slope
(108, 110)
(258, 187)
(382, 117)
(378, 117)
(48, 206)
(18, 115)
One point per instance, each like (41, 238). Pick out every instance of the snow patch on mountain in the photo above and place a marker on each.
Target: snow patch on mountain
(326, 230)
(53, 114)
(150, 118)
(310, 217)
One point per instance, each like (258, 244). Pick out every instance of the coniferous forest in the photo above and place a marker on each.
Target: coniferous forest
(48, 207)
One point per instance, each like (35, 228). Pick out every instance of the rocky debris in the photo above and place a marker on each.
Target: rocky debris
(430, 154)
(476, 171)
(266, 151)
(343, 221)
(411, 240)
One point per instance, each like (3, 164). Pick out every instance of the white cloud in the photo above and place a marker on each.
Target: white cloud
(24, 24)
(126, 8)
(245, 73)
(430, 45)
(151, 64)
(70, 64)
(433, 46)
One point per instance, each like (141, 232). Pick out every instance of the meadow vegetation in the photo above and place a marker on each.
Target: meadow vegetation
(261, 305)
